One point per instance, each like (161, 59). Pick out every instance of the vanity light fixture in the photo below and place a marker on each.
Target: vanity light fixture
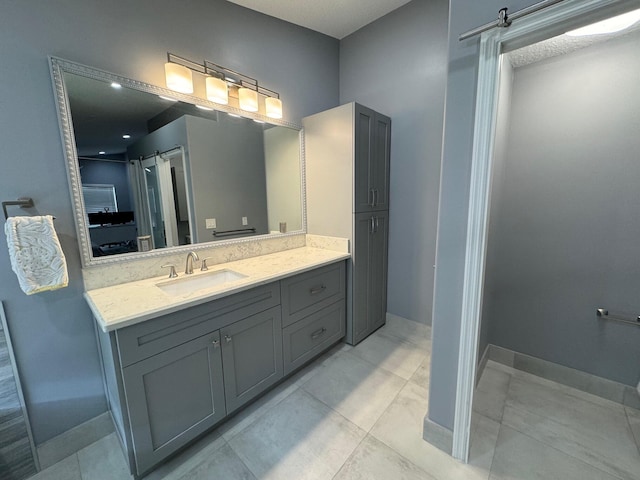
(116, 85)
(222, 83)
(610, 25)
(101, 152)
(126, 136)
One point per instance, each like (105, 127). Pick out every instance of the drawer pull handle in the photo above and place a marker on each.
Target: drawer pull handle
(227, 338)
(318, 333)
(316, 290)
(216, 343)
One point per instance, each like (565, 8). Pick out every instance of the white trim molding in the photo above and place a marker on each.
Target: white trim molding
(529, 29)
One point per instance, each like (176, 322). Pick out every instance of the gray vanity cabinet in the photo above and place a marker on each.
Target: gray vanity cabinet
(371, 160)
(172, 378)
(369, 273)
(252, 356)
(173, 397)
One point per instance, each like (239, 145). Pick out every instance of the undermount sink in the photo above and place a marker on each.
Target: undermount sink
(181, 286)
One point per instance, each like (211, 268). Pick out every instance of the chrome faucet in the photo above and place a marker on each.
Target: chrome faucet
(191, 256)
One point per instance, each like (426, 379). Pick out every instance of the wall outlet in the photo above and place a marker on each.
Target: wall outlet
(210, 223)
(245, 221)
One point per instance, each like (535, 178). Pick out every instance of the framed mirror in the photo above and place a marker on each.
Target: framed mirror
(151, 169)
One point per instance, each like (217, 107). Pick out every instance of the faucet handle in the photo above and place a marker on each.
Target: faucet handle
(203, 266)
(172, 272)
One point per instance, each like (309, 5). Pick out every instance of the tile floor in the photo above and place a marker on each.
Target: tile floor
(357, 413)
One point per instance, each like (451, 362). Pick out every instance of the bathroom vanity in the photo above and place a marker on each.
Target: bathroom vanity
(176, 365)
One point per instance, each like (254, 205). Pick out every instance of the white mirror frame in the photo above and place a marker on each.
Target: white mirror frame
(58, 67)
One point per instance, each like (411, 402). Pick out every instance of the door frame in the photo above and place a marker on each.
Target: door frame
(533, 28)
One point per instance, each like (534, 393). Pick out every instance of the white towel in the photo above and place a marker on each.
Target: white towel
(35, 253)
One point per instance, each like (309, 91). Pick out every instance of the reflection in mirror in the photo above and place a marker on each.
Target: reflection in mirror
(156, 173)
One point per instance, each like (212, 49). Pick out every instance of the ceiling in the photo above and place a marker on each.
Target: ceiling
(560, 45)
(336, 18)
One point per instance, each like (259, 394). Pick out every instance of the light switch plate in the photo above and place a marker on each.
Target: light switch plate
(210, 223)
(245, 221)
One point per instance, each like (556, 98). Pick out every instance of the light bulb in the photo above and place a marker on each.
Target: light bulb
(273, 107)
(217, 90)
(179, 78)
(248, 99)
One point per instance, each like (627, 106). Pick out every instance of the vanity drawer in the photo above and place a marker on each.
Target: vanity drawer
(311, 291)
(145, 339)
(310, 336)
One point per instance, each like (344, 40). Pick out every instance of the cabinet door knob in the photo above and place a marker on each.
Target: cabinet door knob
(316, 290)
(371, 224)
(370, 196)
(215, 343)
(227, 338)
(376, 197)
(377, 223)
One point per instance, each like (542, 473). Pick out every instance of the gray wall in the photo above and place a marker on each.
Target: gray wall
(566, 235)
(397, 65)
(454, 198)
(53, 332)
(226, 163)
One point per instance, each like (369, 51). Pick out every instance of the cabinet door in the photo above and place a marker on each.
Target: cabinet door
(361, 272)
(377, 291)
(173, 397)
(369, 275)
(381, 153)
(363, 175)
(252, 356)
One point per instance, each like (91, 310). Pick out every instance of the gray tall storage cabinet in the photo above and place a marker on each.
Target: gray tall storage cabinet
(347, 174)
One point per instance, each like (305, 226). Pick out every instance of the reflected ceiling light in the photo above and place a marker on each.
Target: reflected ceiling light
(126, 135)
(168, 98)
(610, 25)
(116, 85)
(101, 152)
(217, 90)
(248, 99)
(202, 107)
(178, 78)
(257, 121)
(273, 107)
(233, 115)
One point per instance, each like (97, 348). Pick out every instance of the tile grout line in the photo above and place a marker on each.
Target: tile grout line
(636, 439)
(557, 449)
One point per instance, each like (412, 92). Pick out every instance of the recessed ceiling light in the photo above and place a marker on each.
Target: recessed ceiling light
(204, 108)
(125, 136)
(168, 98)
(610, 25)
(116, 85)
(101, 152)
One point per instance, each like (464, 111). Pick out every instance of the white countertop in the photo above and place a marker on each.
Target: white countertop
(130, 303)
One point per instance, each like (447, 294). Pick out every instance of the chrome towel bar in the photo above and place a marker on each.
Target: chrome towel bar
(604, 313)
